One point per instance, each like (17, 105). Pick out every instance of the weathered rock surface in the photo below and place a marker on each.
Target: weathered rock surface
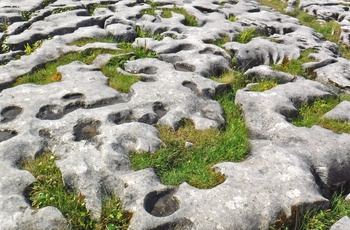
(93, 128)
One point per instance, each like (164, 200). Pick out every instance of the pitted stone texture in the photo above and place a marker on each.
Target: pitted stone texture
(93, 128)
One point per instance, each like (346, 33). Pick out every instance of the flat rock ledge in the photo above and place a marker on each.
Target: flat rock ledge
(289, 168)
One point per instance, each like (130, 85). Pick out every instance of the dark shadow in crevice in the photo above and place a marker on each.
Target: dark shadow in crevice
(161, 203)
(86, 129)
(7, 134)
(10, 113)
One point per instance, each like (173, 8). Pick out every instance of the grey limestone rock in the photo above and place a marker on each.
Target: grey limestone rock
(342, 224)
(265, 72)
(93, 128)
(341, 112)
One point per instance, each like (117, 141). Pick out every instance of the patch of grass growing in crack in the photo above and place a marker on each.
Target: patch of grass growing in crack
(49, 190)
(247, 35)
(121, 82)
(310, 115)
(48, 73)
(118, 81)
(263, 85)
(294, 66)
(176, 164)
(317, 218)
(324, 219)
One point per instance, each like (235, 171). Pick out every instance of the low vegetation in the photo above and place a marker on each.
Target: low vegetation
(263, 85)
(310, 115)
(317, 218)
(47, 73)
(49, 190)
(121, 82)
(247, 35)
(294, 66)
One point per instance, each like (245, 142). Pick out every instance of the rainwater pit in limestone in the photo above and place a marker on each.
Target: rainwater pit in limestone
(161, 203)
(10, 113)
(86, 129)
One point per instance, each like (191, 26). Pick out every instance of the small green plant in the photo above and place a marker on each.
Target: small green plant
(28, 49)
(175, 163)
(49, 190)
(221, 41)
(232, 18)
(263, 85)
(26, 15)
(247, 35)
(310, 115)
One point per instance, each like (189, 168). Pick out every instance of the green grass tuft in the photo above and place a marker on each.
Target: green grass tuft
(247, 35)
(49, 190)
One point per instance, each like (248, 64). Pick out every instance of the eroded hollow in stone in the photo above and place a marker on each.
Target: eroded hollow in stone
(6, 134)
(120, 117)
(192, 86)
(10, 113)
(72, 96)
(50, 112)
(161, 203)
(184, 67)
(86, 129)
(183, 224)
(160, 109)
